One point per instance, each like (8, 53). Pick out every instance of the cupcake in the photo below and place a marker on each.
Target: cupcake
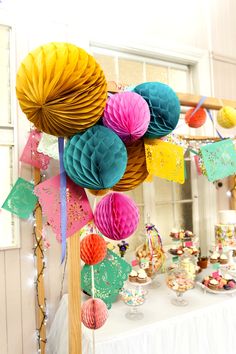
(142, 276)
(133, 276)
(213, 284)
(214, 258)
(174, 234)
(223, 259)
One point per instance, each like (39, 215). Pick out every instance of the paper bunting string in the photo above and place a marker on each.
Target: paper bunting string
(79, 212)
(21, 201)
(49, 145)
(63, 214)
(31, 155)
(219, 159)
(165, 160)
(109, 277)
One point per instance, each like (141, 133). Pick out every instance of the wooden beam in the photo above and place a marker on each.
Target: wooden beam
(74, 295)
(39, 252)
(186, 99)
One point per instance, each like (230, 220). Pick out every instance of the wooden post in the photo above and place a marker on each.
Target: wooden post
(232, 188)
(74, 295)
(39, 251)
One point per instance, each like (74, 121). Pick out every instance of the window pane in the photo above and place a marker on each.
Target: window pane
(5, 178)
(163, 190)
(183, 216)
(184, 191)
(156, 73)
(4, 36)
(108, 66)
(164, 221)
(179, 80)
(130, 72)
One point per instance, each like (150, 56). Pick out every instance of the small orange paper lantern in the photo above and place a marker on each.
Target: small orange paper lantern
(197, 119)
(94, 313)
(93, 249)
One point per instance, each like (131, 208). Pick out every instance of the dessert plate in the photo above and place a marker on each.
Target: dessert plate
(205, 288)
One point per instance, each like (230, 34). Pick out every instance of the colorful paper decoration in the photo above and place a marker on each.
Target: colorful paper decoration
(93, 249)
(165, 160)
(21, 201)
(197, 163)
(109, 277)
(164, 107)
(79, 212)
(128, 115)
(98, 193)
(49, 145)
(94, 313)
(30, 154)
(116, 216)
(226, 117)
(61, 89)
(96, 159)
(136, 171)
(195, 119)
(219, 159)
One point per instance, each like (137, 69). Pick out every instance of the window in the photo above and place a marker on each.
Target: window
(174, 203)
(9, 236)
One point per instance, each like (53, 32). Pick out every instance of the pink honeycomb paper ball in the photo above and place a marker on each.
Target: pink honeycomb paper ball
(128, 115)
(94, 313)
(116, 216)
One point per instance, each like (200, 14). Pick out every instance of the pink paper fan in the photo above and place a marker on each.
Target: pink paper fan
(116, 216)
(94, 313)
(128, 115)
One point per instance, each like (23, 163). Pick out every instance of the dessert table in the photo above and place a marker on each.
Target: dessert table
(206, 326)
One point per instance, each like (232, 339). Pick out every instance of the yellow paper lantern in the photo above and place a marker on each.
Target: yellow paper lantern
(226, 117)
(136, 171)
(61, 89)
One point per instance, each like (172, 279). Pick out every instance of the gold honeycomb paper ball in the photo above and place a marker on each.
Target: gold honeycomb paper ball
(136, 171)
(61, 89)
(99, 193)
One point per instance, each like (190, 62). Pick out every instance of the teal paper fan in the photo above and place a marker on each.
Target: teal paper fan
(109, 277)
(164, 107)
(95, 159)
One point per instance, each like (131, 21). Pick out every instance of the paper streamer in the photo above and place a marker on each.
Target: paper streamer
(63, 199)
(211, 118)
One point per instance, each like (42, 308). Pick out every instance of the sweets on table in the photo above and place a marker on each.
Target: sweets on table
(179, 281)
(219, 282)
(133, 297)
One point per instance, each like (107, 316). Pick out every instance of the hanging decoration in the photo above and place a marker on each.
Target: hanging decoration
(195, 118)
(79, 212)
(165, 160)
(116, 216)
(226, 117)
(164, 107)
(128, 115)
(61, 89)
(94, 313)
(49, 145)
(30, 154)
(93, 249)
(109, 278)
(219, 159)
(99, 193)
(136, 171)
(96, 159)
(21, 201)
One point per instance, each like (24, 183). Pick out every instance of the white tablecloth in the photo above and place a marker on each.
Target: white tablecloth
(206, 326)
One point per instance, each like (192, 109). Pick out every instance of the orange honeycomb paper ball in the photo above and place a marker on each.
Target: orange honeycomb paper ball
(61, 89)
(93, 249)
(197, 119)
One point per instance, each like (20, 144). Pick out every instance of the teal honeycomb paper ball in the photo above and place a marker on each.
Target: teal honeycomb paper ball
(95, 159)
(164, 107)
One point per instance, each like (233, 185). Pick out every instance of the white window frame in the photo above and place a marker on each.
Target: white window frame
(12, 128)
(200, 61)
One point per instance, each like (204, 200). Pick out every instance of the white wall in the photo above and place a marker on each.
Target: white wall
(154, 23)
